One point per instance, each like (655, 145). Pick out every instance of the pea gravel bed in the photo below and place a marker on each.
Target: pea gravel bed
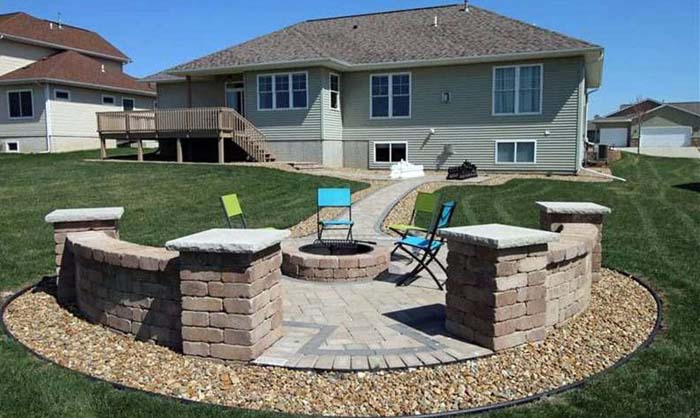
(621, 317)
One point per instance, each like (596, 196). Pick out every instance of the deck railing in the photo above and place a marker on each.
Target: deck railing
(181, 123)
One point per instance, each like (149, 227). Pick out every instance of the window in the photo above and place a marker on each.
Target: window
(390, 152)
(390, 96)
(128, 103)
(334, 87)
(512, 152)
(12, 146)
(109, 100)
(63, 95)
(20, 104)
(517, 90)
(282, 91)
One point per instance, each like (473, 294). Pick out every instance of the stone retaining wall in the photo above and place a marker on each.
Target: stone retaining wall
(508, 285)
(126, 287)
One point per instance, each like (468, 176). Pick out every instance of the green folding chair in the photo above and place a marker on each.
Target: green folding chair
(422, 216)
(232, 209)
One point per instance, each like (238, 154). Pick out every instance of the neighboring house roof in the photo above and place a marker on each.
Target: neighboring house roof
(399, 37)
(627, 113)
(22, 27)
(161, 77)
(71, 67)
(692, 107)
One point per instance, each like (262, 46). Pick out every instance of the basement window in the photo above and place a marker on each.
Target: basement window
(516, 152)
(390, 152)
(12, 146)
(128, 103)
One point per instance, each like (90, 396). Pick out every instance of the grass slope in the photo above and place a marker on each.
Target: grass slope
(654, 230)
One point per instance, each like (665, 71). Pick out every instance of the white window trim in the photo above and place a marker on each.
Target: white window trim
(274, 91)
(331, 91)
(391, 90)
(9, 111)
(7, 147)
(517, 90)
(114, 100)
(55, 95)
(515, 151)
(374, 151)
(129, 98)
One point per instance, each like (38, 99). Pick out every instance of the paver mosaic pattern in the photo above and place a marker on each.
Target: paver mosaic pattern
(361, 326)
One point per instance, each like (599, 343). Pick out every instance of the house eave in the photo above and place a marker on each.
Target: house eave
(593, 57)
(76, 84)
(30, 41)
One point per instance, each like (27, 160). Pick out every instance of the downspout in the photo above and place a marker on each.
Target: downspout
(47, 118)
(585, 139)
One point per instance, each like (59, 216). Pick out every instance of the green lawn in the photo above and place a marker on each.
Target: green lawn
(654, 230)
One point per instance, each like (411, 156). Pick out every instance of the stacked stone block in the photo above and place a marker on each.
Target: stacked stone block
(329, 268)
(554, 216)
(496, 293)
(66, 221)
(126, 287)
(231, 292)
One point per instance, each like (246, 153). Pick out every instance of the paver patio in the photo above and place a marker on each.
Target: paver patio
(371, 325)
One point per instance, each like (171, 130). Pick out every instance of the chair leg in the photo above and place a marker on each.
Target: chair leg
(411, 276)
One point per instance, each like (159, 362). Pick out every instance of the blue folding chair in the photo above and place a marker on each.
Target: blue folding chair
(334, 198)
(425, 249)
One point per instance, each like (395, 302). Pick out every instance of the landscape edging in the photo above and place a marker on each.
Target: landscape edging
(470, 411)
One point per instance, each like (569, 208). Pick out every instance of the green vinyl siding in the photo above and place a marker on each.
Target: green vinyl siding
(466, 125)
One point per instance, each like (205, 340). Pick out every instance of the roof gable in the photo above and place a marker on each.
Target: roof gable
(73, 67)
(23, 27)
(393, 37)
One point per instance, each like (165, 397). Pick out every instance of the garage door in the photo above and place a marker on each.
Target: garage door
(677, 136)
(616, 137)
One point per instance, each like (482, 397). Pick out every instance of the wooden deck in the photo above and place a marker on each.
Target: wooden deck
(176, 124)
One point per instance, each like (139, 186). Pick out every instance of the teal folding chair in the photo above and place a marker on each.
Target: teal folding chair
(334, 198)
(424, 250)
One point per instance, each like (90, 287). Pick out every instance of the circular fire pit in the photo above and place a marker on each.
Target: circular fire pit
(332, 262)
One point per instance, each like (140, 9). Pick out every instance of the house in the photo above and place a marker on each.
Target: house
(53, 79)
(434, 86)
(663, 125)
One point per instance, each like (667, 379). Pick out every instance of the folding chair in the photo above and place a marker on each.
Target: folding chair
(429, 246)
(421, 218)
(232, 209)
(334, 198)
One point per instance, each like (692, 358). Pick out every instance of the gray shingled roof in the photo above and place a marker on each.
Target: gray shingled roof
(689, 106)
(161, 77)
(390, 37)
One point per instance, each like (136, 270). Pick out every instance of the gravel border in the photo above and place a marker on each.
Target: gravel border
(577, 384)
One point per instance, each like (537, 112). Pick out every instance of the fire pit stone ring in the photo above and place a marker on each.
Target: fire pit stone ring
(323, 263)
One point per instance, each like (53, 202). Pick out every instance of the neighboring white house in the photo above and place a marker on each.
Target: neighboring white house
(53, 79)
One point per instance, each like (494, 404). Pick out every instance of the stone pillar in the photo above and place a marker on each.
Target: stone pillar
(496, 284)
(231, 292)
(554, 216)
(66, 221)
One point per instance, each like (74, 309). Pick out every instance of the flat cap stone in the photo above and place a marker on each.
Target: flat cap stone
(498, 236)
(236, 241)
(84, 214)
(573, 208)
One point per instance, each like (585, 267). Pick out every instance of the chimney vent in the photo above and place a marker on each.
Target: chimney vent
(466, 6)
(102, 68)
(435, 22)
(51, 25)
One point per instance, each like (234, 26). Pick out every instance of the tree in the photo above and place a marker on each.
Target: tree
(638, 111)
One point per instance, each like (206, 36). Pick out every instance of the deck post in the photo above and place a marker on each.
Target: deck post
(103, 148)
(178, 149)
(221, 149)
(139, 145)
